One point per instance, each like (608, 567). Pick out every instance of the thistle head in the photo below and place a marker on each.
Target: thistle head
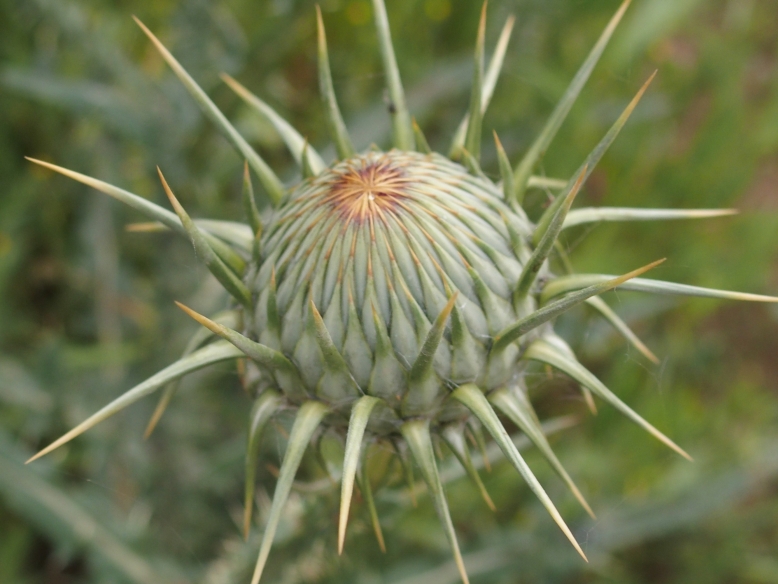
(399, 296)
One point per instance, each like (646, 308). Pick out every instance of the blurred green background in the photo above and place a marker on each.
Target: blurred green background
(86, 308)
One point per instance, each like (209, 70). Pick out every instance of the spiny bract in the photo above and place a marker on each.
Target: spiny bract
(397, 296)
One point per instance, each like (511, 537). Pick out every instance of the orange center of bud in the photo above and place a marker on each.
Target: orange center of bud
(367, 190)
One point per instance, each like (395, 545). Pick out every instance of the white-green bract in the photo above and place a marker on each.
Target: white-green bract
(397, 296)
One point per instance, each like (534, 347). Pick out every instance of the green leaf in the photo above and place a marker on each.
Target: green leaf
(540, 145)
(554, 309)
(207, 355)
(417, 435)
(544, 352)
(596, 214)
(472, 397)
(402, 132)
(360, 414)
(337, 127)
(294, 141)
(309, 416)
(272, 184)
(264, 407)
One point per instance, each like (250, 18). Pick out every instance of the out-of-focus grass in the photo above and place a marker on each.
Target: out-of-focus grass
(86, 308)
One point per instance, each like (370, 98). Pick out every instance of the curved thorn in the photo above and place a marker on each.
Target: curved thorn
(546, 353)
(215, 265)
(594, 157)
(334, 119)
(360, 414)
(264, 355)
(473, 136)
(472, 397)
(417, 434)
(308, 418)
(294, 141)
(548, 237)
(597, 214)
(264, 407)
(520, 412)
(610, 315)
(512, 333)
(272, 184)
(402, 132)
(541, 143)
(205, 356)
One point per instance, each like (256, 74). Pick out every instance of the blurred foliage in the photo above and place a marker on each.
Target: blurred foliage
(86, 307)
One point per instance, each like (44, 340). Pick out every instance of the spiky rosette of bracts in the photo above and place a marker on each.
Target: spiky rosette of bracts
(396, 296)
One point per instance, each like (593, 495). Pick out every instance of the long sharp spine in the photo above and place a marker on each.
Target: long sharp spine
(227, 278)
(535, 153)
(272, 184)
(417, 434)
(309, 416)
(402, 131)
(334, 118)
(266, 405)
(473, 136)
(472, 397)
(360, 413)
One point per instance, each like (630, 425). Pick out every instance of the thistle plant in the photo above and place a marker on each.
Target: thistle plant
(398, 297)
